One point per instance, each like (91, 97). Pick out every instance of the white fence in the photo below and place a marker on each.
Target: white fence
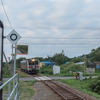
(13, 93)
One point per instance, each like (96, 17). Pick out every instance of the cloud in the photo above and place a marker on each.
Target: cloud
(54, 18)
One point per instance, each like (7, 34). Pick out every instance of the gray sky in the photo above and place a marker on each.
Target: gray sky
(69, 25)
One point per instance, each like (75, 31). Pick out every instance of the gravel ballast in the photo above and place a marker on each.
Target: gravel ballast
(42, 92)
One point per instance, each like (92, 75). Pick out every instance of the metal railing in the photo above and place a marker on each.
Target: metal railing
(13, 94)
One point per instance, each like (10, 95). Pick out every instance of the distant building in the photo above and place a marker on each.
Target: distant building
(66, 62)
(80, 63)
(93, 65)
(97, 65)
(47, 63)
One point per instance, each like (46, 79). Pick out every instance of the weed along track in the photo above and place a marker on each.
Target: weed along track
(58, 89)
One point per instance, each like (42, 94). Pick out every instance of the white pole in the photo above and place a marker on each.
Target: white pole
(14, 70)
(15, 60)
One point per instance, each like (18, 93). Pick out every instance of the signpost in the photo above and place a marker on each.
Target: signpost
(14, 37)
(22, 50)
(1, 57)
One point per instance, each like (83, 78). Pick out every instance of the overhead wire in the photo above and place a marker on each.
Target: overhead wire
(55, 43)
(59, 28)
(6, 14)
(57, 38)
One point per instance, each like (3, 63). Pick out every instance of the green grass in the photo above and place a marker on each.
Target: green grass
(26, 89)
(68, 74)
(97, 72)
(81, 85)
(21, 74)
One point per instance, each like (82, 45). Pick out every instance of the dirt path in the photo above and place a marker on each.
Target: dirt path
(42, 92)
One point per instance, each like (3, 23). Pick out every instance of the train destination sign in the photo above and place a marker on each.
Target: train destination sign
(13, 37)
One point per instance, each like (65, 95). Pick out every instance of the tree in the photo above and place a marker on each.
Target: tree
(77, 59)
(60, 58)
(40, 58)
(95, 55)
(18, 61)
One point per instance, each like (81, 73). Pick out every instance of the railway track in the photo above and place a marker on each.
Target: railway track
(62, 91)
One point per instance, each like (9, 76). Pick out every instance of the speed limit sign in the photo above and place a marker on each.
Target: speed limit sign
(13, 37)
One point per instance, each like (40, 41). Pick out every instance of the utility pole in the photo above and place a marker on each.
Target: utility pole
(86, 63)
(84, 66)
(1, 56)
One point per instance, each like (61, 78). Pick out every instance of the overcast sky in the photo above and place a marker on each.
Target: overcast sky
(50, 26)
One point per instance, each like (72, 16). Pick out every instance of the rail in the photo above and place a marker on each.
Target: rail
(13, 94)
(65, 93)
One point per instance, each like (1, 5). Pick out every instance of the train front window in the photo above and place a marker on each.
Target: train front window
(36, 62)
(30, 63)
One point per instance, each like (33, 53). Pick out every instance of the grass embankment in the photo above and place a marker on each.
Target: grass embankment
(81, 85)
(26, 90)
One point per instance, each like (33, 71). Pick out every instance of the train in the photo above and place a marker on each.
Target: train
(30, 65)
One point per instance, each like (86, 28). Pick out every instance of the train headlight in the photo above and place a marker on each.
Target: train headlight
(33, 60)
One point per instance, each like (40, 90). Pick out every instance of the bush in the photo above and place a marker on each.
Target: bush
(99, 77)
(71, 67)
(6, 72)
(67, 69)
(95, 86)
(46, 70)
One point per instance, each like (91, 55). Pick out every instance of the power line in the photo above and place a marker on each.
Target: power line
(55, 43)
(6, 14)
(57, 38)
(59, 28)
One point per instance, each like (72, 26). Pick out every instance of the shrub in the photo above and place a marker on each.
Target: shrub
(95, 86)
(99, 77)
(71, 67)
(46, 70)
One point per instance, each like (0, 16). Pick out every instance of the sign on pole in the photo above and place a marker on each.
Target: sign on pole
(22, 50)
(13, 37)
(1, 57)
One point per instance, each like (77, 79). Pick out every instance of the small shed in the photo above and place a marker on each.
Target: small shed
(80, 63)
(66, 62)
(97, 65)
(47, 63)
(56, 69)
